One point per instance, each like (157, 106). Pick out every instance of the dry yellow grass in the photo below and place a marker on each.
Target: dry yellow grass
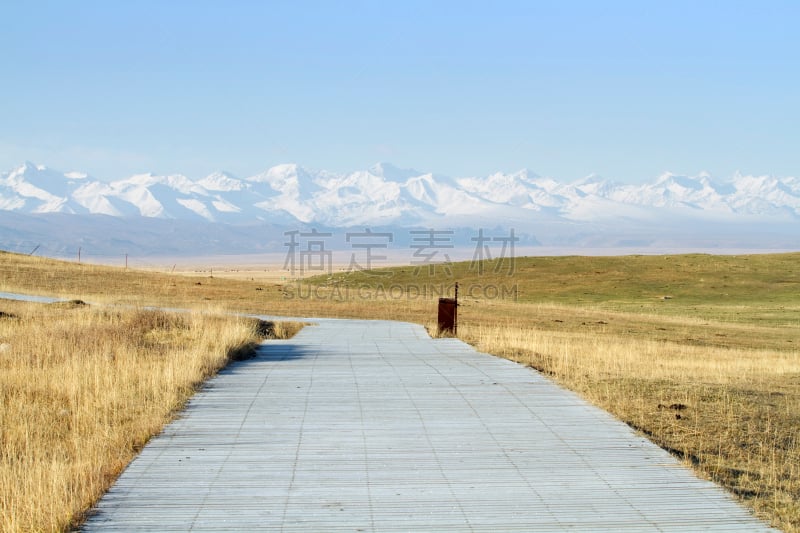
(83, 389)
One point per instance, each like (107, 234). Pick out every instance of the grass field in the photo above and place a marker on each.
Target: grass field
(699, 352)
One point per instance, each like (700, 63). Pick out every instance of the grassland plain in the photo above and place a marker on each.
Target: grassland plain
(699, 352)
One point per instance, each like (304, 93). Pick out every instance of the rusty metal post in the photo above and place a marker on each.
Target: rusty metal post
(448, 314)
(455, 312)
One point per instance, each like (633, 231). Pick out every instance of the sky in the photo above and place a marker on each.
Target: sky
(626, 90)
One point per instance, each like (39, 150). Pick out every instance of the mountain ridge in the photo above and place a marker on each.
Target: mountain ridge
(590, 211)
(323, 197)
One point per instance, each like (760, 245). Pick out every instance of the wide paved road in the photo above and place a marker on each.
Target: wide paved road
(373, 426)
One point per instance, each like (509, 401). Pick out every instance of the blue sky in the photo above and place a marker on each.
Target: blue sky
(626, 90)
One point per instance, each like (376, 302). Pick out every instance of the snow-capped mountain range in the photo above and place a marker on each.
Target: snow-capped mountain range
(764, 209)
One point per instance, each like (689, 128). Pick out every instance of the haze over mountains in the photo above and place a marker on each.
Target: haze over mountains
(222, 213)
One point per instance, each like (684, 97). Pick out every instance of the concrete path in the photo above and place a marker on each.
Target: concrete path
(373, 426)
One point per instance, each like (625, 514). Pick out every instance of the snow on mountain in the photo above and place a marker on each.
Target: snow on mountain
(521, 189)
(392, 173)
(671, 190)
(447, 199)
(287, 187)
(37, 189)
(360, 198)
(762, 194)
(387, 196)
(95, 198)
(221, 182)
(742, 195)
